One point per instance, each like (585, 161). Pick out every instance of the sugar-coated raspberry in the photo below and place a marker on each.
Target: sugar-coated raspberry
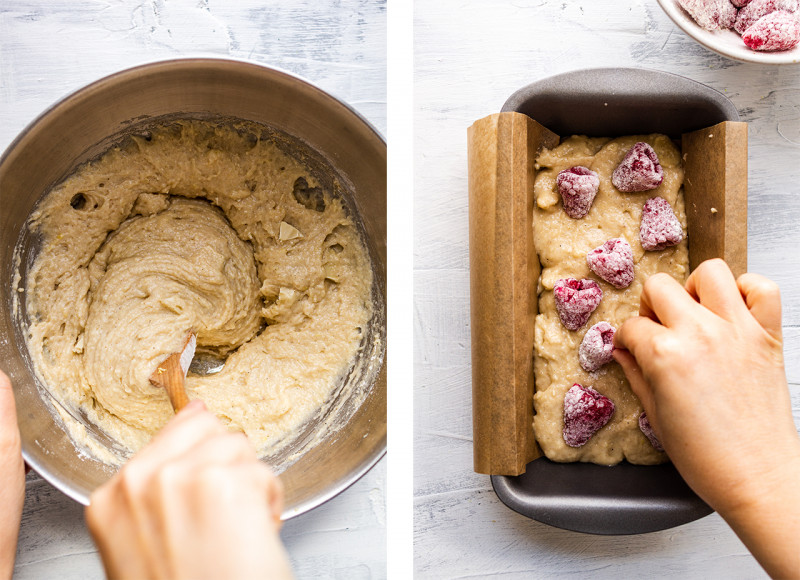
(776, 31)
(578, 186)
(647, 429)
(585, 412)
(596, 347)
(613, 262)
(757, 9)
(576, 300)
(659, 227)
(728, 13)
(639, 170)
(710, 14)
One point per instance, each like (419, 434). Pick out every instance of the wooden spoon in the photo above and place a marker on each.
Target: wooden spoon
(171, 374)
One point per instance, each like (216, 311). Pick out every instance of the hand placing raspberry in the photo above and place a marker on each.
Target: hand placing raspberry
(707, 363)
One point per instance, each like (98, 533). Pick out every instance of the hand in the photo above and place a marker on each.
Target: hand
(12, 478)
(707, 363)
(195, 503)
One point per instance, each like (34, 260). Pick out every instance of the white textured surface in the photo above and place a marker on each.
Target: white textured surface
(470, 56)
(51, 48)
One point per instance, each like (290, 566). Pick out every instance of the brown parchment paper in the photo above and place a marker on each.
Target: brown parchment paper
(715, 191)
(504, 272)
(504, 267)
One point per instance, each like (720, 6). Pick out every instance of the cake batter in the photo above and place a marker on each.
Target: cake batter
(562, 244)
(205, 227)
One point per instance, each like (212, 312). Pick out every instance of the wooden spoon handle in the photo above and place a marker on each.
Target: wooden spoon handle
(171, 374)
(171, 378)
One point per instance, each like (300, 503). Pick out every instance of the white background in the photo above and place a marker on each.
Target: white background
(49, 48)
(470, 57)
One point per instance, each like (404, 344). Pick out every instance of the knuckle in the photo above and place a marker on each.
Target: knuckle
(207, 422)
(130, 479)
(712, 264)
(235, 446)
(666, 349)
(170, 477)
(656, 281)
(768, 288)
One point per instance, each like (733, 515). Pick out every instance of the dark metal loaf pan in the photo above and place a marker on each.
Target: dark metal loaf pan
(623, 499)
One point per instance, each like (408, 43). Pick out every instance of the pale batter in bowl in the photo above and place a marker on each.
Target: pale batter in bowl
(200, 226)
(562, 244)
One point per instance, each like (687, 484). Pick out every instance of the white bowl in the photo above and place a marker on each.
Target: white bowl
(725, 42)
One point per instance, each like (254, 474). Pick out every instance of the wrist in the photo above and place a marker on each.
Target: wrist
(766, 516)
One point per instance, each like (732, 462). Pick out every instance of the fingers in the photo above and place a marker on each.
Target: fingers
(182, 433)
(713, 285)
(664, 300)
(9, 432)
(637, 335)
(219, 449)
(275, 495)
(763, 299)
(633, 373)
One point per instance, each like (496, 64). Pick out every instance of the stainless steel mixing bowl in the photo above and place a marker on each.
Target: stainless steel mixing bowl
(85, 124)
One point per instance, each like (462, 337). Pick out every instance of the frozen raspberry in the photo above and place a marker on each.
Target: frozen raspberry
(596, 347)
(740, 3)
(576, 300)
(727, 16)
(585, 412)
(776, 31)
(577, 186)
(613, 262)
(757, 9)
(659, 228)
(710, 14)
(639, 171)
(644, 425)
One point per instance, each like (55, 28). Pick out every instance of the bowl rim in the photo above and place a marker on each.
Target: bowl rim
(155, 67)
(709, 40)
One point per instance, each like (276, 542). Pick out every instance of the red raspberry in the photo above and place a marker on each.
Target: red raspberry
(757, 9)
(644, 425)
(727, 16)
(585, 412)
(577, 186)
(613, 262)
(596, 347)
(576, 300)
(710, 14)
(639, 171)
(778, 30)
(660, 227)
(740, 3)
